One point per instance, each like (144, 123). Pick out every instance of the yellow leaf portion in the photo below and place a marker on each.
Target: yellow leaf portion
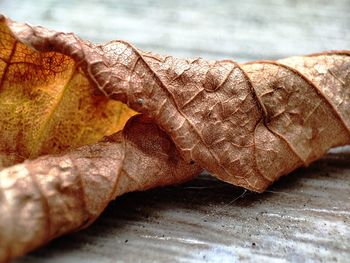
(47, 104)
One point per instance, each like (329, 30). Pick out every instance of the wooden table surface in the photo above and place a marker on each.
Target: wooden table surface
(305, 217)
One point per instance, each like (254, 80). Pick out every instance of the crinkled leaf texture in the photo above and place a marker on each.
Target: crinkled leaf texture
(47, 104)
(247, 124)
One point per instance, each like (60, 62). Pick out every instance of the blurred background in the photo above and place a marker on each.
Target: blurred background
(303, 218)
(242, 30)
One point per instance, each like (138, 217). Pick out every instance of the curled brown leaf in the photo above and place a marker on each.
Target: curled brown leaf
(57, 194)
(248, 124)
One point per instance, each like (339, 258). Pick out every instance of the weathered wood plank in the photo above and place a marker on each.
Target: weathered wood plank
(305, 216)
(242, 30)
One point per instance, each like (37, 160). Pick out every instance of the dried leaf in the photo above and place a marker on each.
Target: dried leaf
(47, 104)
(247, 124)
(53, 195)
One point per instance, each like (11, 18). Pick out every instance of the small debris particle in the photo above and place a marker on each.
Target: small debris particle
(140, 101)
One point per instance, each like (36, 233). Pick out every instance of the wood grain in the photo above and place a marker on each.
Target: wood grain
(242, 30)
(304, 217)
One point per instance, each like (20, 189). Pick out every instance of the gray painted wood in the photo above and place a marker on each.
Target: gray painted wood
(304, 217)
(242, 30)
